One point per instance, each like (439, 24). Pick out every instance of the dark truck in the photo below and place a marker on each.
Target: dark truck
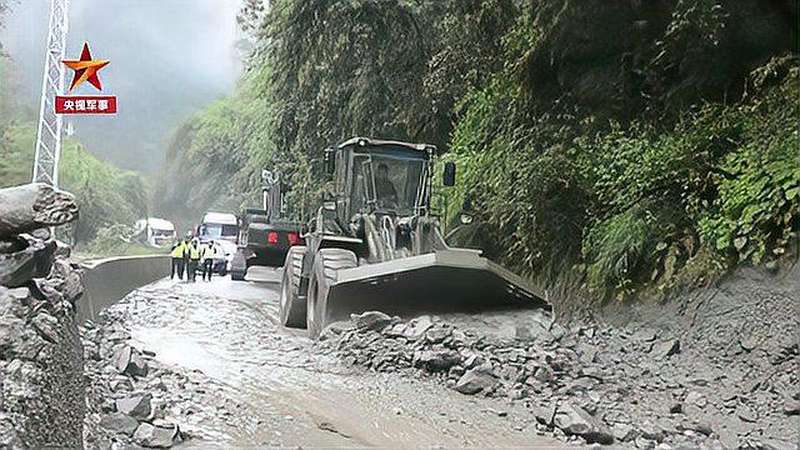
(264, 236)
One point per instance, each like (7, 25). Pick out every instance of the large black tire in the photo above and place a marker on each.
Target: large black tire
(324, 273)
(292, 306)
(238, 266)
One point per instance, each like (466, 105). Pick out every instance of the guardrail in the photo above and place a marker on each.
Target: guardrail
(108, 280)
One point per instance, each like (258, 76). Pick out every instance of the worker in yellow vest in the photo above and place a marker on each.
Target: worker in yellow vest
(178, 262)
(194, 259)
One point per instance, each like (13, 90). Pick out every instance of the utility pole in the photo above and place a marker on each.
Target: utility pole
(48, 136)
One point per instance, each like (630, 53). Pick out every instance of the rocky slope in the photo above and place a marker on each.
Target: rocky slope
(41, 358)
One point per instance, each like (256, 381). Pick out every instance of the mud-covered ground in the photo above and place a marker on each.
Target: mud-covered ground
(717, 369)
(222, 371)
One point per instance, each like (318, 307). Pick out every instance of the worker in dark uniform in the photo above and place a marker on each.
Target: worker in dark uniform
(387, 194)
(178, 263)
(194, 260)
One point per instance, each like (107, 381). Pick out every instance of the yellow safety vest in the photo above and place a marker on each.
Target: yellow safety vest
(194, 252)
(177, 252)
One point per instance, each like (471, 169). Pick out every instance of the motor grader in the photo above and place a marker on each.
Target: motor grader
(376, 245)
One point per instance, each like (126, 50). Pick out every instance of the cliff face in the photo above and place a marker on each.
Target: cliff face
(41, 370)
(618, 59)
(42, 387)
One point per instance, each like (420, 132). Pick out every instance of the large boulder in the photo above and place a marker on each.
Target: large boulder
(32, 258)
(29, 207)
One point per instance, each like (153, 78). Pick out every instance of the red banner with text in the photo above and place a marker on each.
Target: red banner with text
(86, 104)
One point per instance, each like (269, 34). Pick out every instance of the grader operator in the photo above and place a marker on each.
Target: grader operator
(375, 245)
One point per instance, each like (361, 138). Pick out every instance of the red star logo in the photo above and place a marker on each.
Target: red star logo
(86, 69)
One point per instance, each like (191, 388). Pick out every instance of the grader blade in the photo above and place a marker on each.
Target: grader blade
(447, 281)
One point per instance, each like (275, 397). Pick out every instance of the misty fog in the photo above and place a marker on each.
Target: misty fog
(168, 59)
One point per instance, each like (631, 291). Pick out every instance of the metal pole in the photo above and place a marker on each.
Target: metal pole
(48, 135)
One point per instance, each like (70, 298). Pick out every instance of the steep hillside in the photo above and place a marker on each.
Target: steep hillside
(614, 146)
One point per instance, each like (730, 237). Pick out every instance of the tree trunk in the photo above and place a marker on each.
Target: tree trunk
(30, 206)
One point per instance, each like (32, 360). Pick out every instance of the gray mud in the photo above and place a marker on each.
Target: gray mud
(227, 376)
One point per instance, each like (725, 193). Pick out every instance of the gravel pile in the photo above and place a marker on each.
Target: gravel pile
(634, 387)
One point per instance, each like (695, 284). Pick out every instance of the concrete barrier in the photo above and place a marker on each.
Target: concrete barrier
(107, 281)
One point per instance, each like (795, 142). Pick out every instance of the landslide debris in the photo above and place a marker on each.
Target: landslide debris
(636, 386)
(131, 397)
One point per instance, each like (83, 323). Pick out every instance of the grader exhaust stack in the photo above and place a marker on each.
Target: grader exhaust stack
(375, 246)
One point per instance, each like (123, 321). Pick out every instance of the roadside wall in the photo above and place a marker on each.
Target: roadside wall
(108, 280)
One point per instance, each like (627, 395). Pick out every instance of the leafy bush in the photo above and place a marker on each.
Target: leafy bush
(756, 214)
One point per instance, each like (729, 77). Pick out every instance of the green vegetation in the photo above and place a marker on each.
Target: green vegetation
(106, 194)
(635, 144)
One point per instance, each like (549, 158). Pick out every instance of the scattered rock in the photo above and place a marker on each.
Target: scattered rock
(416, 328)
(119, 423)
(151, 436)
(545, 414)
(697, 399)
(645, 335)
(791, 407)
(474, 381)
(371, 320)
(623, 432)
(665, 349)
(436, 335)
(747, 413)
(437, 360)
(128, 360)
(137, 406)
(574, 420)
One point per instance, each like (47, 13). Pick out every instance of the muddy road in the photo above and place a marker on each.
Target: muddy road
(234, 378)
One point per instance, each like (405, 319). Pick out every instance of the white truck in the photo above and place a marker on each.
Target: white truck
(223, 229)
(155, 232)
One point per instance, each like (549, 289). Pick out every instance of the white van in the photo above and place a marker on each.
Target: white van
(156, 232)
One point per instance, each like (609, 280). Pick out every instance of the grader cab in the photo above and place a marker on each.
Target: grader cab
(375, 245)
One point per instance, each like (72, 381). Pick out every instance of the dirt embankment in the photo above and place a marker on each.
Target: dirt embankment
(717, 368)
